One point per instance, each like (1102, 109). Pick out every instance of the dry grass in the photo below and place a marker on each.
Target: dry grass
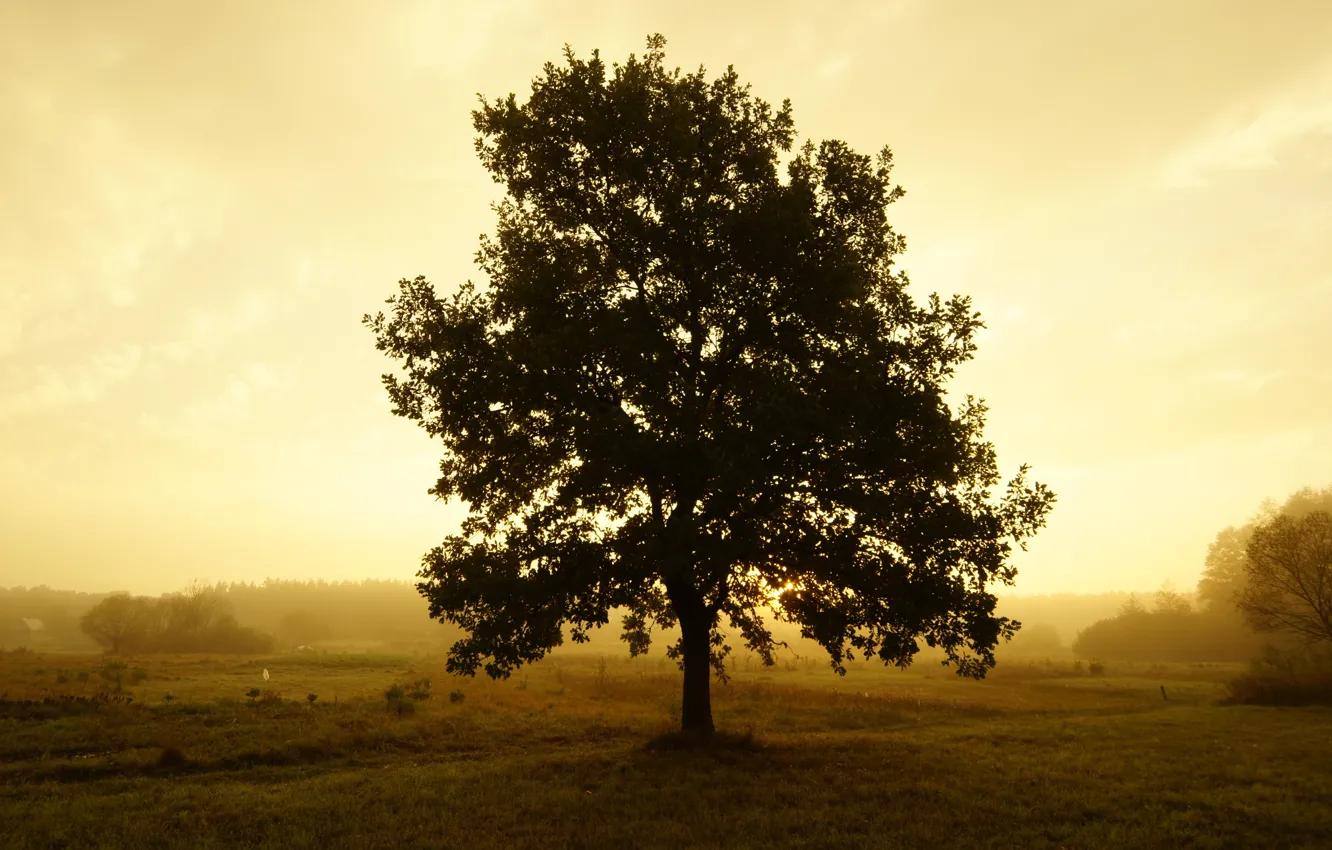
(577, 753)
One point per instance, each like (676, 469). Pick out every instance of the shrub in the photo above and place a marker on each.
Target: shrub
(113, 672)
(457, 696)
(1284, 678)
(1096, 668)
(253, 693)
(310, 698)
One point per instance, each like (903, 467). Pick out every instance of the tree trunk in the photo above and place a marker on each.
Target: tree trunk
(696, 704)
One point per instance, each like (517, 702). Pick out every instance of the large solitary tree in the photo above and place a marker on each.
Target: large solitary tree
(697, 391)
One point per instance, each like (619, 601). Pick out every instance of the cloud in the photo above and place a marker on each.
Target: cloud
(231, 405)
(86, 384)
(41, 388)
(1236, 144)
(1248, 380)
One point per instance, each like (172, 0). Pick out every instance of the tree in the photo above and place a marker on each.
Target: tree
(1289, 570)
(1225, 572)
(187, 617)
(1169, 601)
(1132, 607)
(698, 392)
(119, 621)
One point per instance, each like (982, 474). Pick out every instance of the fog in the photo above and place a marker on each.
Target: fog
(202, 199)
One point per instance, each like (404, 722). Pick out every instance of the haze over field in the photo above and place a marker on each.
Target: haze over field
(201, 200)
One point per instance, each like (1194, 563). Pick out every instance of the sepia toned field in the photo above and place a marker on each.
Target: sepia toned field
(578, 752)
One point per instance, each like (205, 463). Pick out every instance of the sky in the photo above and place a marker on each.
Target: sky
(199, 201)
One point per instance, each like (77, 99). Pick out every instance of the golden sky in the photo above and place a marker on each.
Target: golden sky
(199, 200)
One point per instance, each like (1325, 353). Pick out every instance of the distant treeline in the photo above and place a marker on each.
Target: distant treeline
(277, 614)
(227, 617)
(42, 617)
(1213, 625)
(310, 612)
(1170, 630)
(280, 614)
(196, 620)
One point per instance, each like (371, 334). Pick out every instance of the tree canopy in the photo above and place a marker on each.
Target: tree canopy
(1289, 567)
(1225, 571)
(119, 622)
(696, 390)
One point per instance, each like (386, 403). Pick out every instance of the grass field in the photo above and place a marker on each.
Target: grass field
(575, 753)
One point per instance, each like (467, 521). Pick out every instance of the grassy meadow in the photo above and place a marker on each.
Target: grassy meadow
(577, 752)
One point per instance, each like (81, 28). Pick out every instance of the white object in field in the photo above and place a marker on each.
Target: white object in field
(265, 674)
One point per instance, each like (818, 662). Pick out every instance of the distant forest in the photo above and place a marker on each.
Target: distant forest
(347, 614)
(391, 615)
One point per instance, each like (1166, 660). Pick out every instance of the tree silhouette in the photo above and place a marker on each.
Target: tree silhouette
(1290, 576)
(697, 391)
(1226, 570)
(119, 622)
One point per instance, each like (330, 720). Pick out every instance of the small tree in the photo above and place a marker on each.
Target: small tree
(1170, 601)
(698, 391)
(1132, 607)
(119, 622)
(1289, 569)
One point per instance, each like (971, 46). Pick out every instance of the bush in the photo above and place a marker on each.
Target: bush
(113, 672)
(458, 696)
(1284, 678)
(397, 698)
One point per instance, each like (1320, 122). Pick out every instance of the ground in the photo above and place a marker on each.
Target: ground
(576, 753)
